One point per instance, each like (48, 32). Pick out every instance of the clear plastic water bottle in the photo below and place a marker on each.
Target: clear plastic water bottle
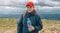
(29, 24)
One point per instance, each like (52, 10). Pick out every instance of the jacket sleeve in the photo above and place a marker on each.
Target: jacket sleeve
(20, 25)
(38, 23)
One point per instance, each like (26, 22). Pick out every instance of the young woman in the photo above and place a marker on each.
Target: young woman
(30, 22)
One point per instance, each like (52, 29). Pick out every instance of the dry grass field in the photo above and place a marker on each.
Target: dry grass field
(9, 25)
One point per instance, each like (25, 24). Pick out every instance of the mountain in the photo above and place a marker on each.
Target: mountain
(43, 16)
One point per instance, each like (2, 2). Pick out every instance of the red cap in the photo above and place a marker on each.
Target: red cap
(30, 4)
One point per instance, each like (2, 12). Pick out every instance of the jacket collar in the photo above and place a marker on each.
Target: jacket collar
(28, 14)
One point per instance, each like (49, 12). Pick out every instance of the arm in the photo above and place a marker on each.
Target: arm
(20, 25)
(38, 23)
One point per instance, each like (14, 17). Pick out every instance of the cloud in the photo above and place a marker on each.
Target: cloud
(16, 6)
(22, 3)
(56, 0)
(49, 3)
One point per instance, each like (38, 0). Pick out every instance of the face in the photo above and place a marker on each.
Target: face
(29, 8)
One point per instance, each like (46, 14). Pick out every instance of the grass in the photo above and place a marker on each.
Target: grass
(8, 25)
(50, 26)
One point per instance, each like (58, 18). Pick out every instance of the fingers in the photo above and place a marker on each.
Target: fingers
(31, 28)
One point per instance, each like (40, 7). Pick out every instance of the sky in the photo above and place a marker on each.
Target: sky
(17, 6)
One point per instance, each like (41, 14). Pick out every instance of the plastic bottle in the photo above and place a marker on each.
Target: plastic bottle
(29, 24)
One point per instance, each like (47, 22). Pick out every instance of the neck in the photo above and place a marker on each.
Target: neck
(29, 11)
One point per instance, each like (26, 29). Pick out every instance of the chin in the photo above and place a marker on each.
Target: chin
(29, 11)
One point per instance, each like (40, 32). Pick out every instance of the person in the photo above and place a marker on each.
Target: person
(30, 22)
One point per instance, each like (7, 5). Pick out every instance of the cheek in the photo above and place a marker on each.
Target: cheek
(30, 8)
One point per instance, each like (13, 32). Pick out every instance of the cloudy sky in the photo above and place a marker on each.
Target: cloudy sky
(14, 6)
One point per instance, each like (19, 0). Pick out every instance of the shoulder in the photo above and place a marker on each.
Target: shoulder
(23, 14)
(38, 16)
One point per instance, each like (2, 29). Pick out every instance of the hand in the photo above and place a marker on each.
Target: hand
(31, 28)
